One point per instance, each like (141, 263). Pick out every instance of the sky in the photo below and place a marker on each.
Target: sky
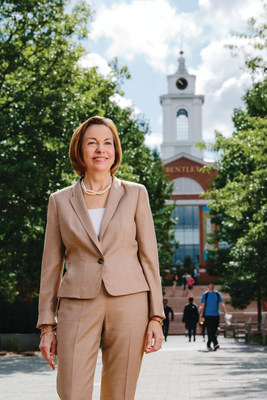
(147, 35)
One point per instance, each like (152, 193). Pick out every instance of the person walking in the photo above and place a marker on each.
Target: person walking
(184, 279)
(195, 275)
(100, 230)
(174, 283)
(190, 284)
(210, 311)
(166, 322)
(191, 318)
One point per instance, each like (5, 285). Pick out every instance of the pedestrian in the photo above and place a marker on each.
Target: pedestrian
(166, 322)
(190, 283)
(210, 312)
(184, 279)
(191, 318)
(174, 283)
(101, 230)
(195, 275)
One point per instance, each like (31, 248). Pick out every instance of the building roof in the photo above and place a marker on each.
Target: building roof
(191, 158)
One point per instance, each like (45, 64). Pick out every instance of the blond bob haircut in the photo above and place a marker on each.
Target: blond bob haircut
(75, 150)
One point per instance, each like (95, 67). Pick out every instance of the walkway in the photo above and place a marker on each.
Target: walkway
(181, 370)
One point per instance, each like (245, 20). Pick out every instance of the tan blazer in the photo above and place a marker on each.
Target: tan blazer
(124, 257)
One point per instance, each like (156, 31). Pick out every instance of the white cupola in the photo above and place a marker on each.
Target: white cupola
(182, 114)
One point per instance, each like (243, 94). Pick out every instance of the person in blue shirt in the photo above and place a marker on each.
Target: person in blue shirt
(195, 275)
(210, 310)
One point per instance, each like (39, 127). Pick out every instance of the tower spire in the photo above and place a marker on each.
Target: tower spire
(181, 61)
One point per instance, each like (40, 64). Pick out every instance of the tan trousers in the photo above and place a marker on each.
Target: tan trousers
(121, 322)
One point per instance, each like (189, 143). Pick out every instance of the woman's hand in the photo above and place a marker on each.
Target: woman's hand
(154, 337)
(48, 347)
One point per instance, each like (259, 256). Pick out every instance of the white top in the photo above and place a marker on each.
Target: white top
(96, 215)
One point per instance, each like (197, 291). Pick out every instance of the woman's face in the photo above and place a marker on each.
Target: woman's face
(98, 148)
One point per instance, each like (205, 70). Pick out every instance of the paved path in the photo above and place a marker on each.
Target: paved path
(181, 370)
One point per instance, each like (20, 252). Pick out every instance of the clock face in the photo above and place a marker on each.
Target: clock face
(181, 83)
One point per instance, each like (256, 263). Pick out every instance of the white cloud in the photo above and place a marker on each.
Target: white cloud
(227, 86)
(124, 103)
(223, 82)
(217, 66)
(95, 60)
(141, 27)
(204, 3)
(153, 29)
(153, 140)
(223, 17)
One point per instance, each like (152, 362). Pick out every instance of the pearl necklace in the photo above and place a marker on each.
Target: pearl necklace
(92, 192)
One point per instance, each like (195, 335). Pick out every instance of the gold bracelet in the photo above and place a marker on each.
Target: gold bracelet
(47, 326)
(50, 330)
(159, 321)
(43, 333)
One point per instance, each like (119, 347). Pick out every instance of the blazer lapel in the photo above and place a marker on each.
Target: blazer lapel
(114, 197)
(79, 206)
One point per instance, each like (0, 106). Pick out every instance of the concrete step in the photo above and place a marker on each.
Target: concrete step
(178, 298)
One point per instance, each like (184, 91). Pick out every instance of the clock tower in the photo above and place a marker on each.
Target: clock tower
(183, 162)
(182, 114)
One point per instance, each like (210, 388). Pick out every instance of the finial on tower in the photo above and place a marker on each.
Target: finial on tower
(181, 61)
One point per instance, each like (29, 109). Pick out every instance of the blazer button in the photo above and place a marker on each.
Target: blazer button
(100, 261)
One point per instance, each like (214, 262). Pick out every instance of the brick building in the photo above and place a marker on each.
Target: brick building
(183, 160)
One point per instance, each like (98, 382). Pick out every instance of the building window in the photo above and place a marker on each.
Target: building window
(187, 234)
(186, 186)
(182, 124)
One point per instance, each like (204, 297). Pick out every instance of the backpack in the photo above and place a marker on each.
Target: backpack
(206, 297)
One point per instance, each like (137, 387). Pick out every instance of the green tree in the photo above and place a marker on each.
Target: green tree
(239, 209)
(239, 192)
(45, 95)
(38, 52)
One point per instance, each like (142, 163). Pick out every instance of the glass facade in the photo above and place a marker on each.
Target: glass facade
(187, 233)
(207, 230)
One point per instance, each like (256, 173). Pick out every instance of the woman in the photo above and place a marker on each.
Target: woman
(190, 283)
(101, 230)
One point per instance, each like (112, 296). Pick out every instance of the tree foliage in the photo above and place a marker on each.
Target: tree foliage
(239, 194)
(45, 95)
(239, 207)
(38, 58)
